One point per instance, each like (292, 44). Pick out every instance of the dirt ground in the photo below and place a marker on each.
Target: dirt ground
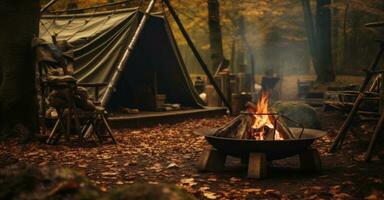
(168, 154)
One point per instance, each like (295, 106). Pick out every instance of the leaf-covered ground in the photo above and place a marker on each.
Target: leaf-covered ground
(168, 154)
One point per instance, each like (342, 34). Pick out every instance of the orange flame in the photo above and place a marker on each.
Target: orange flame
(263, 122)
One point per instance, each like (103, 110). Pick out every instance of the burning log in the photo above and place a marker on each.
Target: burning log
(257, 123)
(241, 128)
(237, 128)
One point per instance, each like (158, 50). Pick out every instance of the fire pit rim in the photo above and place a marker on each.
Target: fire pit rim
(273, 149)
(321, 133)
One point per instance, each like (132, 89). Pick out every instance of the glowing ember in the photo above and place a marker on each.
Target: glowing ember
(264, 122)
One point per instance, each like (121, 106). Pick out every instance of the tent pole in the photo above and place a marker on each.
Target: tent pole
(197, 55)
(47, 6)
(127, 53)
(120, 67)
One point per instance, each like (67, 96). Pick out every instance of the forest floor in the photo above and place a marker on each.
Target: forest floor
(168, 154)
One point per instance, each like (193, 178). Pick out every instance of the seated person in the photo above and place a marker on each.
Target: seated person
(55, 63)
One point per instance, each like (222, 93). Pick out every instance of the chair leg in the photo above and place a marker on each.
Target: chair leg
(76, 119)
(58, 136)
(109, 130)
(51, 135)
(85, 128)
(68, 131)
(97, 138)
(95, 132)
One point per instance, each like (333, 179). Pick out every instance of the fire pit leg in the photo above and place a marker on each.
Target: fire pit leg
(257, 165)
(211, 160)
(310, 160)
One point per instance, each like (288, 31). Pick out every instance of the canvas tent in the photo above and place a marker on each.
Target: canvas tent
(100, 39)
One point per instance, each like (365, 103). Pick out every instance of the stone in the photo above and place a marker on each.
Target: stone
(298, 112)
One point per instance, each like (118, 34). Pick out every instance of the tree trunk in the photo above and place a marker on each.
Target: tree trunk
(323, 35)
(336, 39)
(311, 35)
(20, 22)
(241, 46)
(345, 33)
(215, 37)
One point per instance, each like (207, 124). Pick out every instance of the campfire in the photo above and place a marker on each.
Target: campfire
(258, 123)
(259, 135)
(265, 123)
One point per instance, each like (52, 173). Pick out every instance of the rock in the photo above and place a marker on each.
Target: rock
(20, 181)
(148, 191)
(299, 112)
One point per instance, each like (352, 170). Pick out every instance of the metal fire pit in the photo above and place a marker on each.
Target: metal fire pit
(258, 152)
(274, 149)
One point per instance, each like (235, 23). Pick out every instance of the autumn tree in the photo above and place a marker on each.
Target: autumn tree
(18, 105)
(216, 45)
(353, 43)
(323, 37)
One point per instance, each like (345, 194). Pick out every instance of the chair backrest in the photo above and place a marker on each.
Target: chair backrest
(52, 59)
(53, 69)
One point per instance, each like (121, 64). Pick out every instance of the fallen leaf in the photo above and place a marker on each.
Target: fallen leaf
(83, 165)
(252, 190)
(342, 196)
(188, 181)
(234, 180)
(335, 189)
(376, 180)
(172, 166)
(315, 196)
(103, 188)
(130, 163)
(360, 157)
(347, 183)
(212, 179)
(372, 197)
(136, 132)
(205, 188)
(156, 167)
(109, 173)
(106, 156)
(272, 193)
(210, 195)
